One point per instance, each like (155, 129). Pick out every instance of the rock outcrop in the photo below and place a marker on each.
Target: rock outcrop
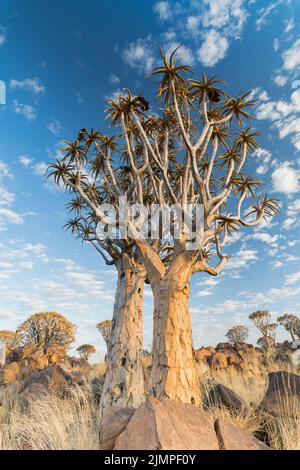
(168, 425)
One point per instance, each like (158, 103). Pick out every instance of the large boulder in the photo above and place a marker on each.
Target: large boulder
(168, 425)
(9, 373)
(113, 422)
(55, 378)
(283, 394)
(232, 438)
(222, 397)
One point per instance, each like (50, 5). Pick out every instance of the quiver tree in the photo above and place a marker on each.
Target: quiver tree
(85, 174)
(262, 321)
(105, 328)
(86, 350)
(237, 334)
(291, 323)
(45, 329)
(194, 153)
(9, 338)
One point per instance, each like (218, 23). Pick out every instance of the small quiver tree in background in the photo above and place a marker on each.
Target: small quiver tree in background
(237, 334)
(86, 350)
(45, 329)
(105, 328)
(8, 341)
(262, 321)
(291, 323)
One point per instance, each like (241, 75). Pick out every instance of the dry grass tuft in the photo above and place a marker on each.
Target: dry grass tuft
(51, 423)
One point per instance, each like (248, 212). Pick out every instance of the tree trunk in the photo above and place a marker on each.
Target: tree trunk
(174, 374)
(124, 381)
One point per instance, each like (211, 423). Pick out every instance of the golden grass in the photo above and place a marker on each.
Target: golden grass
(71, 423)
(281, 433)
(51, 423)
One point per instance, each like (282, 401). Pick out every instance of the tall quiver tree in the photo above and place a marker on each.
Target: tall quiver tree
(84, 173)
(195, 152)
(201, 129)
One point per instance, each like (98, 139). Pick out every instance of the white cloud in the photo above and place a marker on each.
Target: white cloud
(264, 158)
(25, 160)
(25, 110)
(6, 197)
(184, 54)
(280, 80)
(266, 238)
(225, 14)
(79, 98)
(283, 115)
(32, 85)
(276, 44)
(40, 168)
(288, 223)
(139, 55)
(213, 49)
(277, 264)
(4, 170)
(114, 79)
(11, 217)
(285, 179)
(54, 127)
(264, 13)
(163, 10)
(203, 293)
(291, 57)
(289, 25)
(292, 278)
(2, 35)
(242, 258)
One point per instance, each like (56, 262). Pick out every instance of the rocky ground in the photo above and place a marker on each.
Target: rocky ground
(49, 400)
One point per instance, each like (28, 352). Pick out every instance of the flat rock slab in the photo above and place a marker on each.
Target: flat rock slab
(167, 425)
(232, 438)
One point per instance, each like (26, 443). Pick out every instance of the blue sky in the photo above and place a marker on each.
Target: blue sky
(61, 61)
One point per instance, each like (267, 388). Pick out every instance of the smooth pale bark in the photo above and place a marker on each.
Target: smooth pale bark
(174, 374)
(124, 381)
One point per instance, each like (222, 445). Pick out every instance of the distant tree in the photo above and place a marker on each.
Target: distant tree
(291, 323)
(9, 338)
(86, 350)
(147, 352)
(262, 321)
(105, 328)
(237, 334)
(45, 329)
(266, 343)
